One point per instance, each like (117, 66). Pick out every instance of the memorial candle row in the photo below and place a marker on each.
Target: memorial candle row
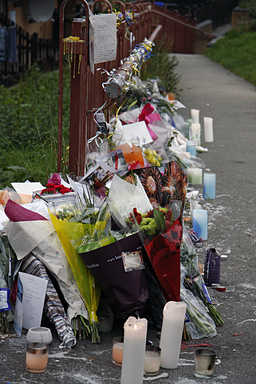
(135, 333)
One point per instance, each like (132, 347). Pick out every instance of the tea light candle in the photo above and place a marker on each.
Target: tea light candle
(204, 362)
(200, 223)
(36, 358)
(191, 148)
(152, 361)
(135, 332)
(195, 175)
(208, 129)
(195, 115)
(209, 189)
(171, 333)
(195, 133)
(117, 352)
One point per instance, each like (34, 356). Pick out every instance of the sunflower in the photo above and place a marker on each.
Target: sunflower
(151, 179)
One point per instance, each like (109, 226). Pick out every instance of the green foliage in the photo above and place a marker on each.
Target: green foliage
(163, 66)
(250, 5)
(29, 126)
(236, 52)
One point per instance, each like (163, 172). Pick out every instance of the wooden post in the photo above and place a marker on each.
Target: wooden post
(78, 104)
(77, 132)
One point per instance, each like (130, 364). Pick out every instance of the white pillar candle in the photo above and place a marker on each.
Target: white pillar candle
(195, 133)
(171, 333)
(195, 175)
(208, 129)
(195, 115)
(209, 190)
(200, 223)
(135, 332)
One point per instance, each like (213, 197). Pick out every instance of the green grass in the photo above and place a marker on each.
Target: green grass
(236, 52)
(29, 125)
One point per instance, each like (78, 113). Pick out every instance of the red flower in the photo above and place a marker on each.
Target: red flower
(137, 215)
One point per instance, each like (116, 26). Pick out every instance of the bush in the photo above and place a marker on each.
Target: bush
(250, 5)
(163, 66)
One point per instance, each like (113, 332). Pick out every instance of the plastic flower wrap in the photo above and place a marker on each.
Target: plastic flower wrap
(98, 234)
(70, 235)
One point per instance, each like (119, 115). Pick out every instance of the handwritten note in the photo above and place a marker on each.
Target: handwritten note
(103, 38)
(29, 305)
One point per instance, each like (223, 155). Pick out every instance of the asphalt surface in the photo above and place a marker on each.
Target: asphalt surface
(231, 102)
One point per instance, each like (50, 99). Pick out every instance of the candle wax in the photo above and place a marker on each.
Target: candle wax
(195, 115)
(135, 331)
(171, 333)
(208, 129)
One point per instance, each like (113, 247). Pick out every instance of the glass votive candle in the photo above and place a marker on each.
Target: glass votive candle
(195, 175)
(200, 223)
(209, 189)
(36, 357)
(191, 148)
(152, 360)
(204, 362)
(117, 351)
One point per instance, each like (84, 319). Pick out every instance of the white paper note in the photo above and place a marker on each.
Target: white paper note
(136, 133)
(34, 290)
(103, 41)
(27, 187)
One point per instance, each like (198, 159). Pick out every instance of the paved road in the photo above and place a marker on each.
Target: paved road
(231, 102)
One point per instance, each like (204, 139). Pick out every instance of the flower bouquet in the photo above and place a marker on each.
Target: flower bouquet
(71, 234)
(114, 259)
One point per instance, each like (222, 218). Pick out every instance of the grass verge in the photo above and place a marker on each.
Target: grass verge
(236, 52)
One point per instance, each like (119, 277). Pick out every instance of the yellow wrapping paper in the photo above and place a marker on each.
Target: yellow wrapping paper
(70, 235)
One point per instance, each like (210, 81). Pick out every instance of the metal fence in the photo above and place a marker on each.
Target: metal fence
(87, 93)
(26, 51)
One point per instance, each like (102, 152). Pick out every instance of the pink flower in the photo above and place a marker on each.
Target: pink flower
(55, 179)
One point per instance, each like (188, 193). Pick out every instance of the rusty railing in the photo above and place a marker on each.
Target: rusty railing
(87, 93)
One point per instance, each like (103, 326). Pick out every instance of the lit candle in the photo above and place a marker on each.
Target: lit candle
(171, 333)
(135, 332)
(200, 223)
(208, 129)
(209, 190)
(117, 352)
(191, 148)
(195, 175)
(195, 133)
(195, 115)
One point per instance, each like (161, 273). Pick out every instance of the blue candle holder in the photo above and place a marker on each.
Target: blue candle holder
(209, 189)
(200, 223)
(191, 148)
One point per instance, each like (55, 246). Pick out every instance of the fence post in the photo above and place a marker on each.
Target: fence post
(34, 48)
(77, 133)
